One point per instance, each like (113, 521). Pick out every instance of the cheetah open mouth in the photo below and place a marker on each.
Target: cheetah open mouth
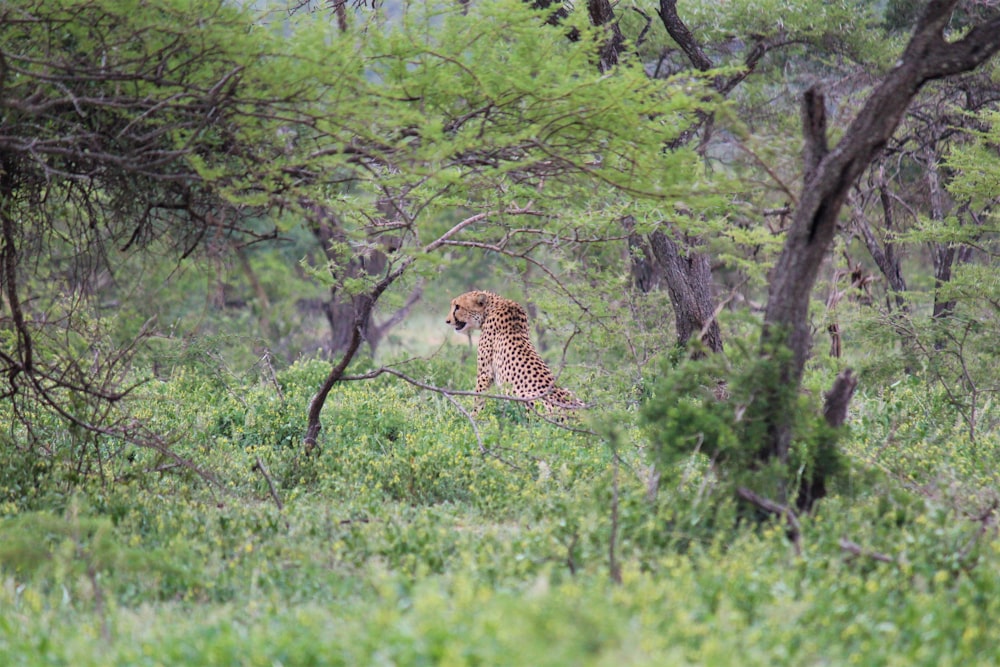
(460, 325)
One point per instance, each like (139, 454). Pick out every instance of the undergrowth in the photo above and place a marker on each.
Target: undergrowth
(407, 541)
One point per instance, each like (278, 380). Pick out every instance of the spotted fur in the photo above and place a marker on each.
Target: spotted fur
(506, 355)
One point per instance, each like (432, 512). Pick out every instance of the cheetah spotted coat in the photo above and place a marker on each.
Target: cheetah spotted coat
(505, 354)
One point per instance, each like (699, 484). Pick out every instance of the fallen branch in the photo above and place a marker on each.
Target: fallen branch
(856, 549)
(794, 528)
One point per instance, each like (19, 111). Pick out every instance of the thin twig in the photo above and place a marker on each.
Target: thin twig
(270, 485)
(472, 422)
(720, 307)
(614, 568)
(266, 360)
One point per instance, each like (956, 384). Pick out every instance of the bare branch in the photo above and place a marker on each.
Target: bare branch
(471, 220)
(856, 549)
(794, 528)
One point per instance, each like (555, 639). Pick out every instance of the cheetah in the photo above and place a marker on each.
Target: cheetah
(506, 355)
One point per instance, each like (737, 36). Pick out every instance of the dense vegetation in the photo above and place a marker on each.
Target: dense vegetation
(231, 432)
(403, 543)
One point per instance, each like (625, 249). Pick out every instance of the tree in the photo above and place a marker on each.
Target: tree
(127, 132)
(764, 437)
(494, 119)
(925, 201)
(120, 131)
(829, 175)
(674, 255)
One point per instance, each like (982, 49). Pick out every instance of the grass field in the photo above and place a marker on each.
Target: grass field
(404, 544)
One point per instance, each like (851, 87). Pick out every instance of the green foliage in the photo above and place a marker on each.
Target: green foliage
(843, 27)
(977, 169)
(693, 413)
(401, 541)
(950, 355)
(412, 536)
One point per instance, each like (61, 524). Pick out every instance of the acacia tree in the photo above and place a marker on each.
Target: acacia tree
(924, 201)
(735, 40)
(755, 429)
(128, 132)
(120, 132)
(829, 175)
(907, 197)
(493, 120)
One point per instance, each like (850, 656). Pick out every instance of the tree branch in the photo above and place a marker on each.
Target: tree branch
(813, 131)
(794, 528)
(926, 56)
(680, 33)
(856, 549)
(313, 423)
(259, 466)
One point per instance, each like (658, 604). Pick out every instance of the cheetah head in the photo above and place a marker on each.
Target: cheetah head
(468, 311)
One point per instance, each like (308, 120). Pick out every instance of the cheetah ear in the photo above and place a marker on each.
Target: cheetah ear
(481, 300)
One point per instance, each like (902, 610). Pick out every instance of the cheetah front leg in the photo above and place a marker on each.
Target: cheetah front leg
(484, 375)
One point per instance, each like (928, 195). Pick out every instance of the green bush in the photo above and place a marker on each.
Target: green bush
(692, 416)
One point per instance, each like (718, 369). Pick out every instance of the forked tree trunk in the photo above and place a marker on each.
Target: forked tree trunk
(657, 259)
(342, 309)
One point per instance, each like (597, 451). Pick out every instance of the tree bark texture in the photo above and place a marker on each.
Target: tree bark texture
(689, 281)
(927, 56)
(602, 14)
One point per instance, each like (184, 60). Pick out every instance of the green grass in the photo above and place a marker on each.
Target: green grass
(403, 544)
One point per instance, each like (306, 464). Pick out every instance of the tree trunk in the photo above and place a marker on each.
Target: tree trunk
(883, 254)
(943, 255)
(646, 273)
(685, 271)
(313, 425)
(689, 282)
(828, 177)
(602, 14)
(342, 308)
